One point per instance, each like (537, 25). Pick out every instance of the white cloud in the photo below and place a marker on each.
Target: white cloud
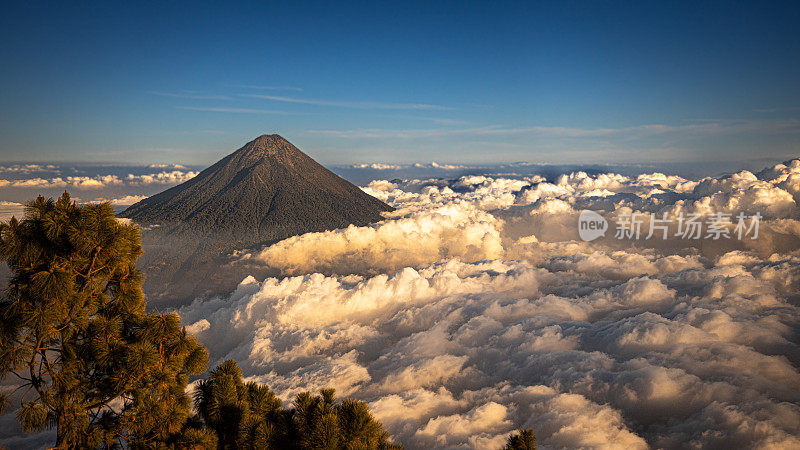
(478, 217)
(472, 311)
(34, 183)
(408, 240)
(476, 350)
(435, 165)
(122, 201)
(29, 168)
(100, 181)
(168, 166)
(165, 177)
(96, 182)
(377, 166)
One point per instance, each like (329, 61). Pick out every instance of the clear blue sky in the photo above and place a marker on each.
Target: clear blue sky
(390, 82)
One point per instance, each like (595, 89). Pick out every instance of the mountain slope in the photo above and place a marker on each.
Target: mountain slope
(266, 191)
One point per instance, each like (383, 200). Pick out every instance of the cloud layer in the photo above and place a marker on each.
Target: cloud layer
(474, 310)
(100, 181)
(462, 353)
(478, 217)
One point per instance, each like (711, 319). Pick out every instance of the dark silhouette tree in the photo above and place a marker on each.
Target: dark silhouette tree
(90, 361)
(359, 429)
(521, 440)
(244, 415)
(316, 420)
(249, 416)
(266, 424)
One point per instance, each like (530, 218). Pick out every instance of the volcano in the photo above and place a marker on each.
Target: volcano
(262, 193)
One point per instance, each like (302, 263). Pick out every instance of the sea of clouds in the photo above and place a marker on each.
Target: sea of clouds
(474, 309)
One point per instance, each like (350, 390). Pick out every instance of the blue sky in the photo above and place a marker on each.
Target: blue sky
(552, 82)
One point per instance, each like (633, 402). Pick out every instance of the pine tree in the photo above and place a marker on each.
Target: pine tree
(358, 428)
(323, 423)
(522, 440)
(249, 416)
(74, 331)
(266, 424)
(243, 415)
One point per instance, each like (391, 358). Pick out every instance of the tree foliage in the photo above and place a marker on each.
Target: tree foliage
(89, 359)
(242, 414)
(521, 440)
(250, 416)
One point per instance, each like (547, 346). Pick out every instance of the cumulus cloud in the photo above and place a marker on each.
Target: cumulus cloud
(662, 351)
(100, 181)
(122, 201)
(473, 310)
(412, 239)
(378, 166)
(435, 165)
(28, 168)
(166, 177)
(419, 165)
(96, 182)
(479, 217)
(34, 183)
(78, 182)
(168, 166)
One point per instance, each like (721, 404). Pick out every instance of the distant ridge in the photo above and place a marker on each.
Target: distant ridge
(266, 191)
